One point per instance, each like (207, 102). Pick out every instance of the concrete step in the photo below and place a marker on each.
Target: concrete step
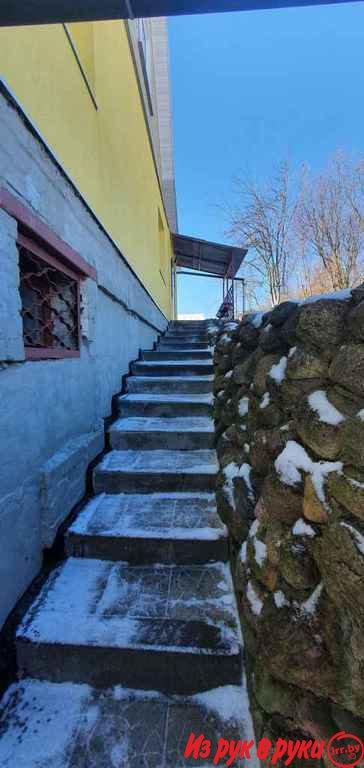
(186, 335)
(187, 323)
(71, 725)
(167, 406)
(165, 343)
(149, 471)
(140, 529)
(172, 434)
(172, 368)
(170, 384)
(176, 354)
(200, 324)
(170, 628)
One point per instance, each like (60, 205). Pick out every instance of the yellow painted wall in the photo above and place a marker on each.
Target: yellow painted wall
(106, 151)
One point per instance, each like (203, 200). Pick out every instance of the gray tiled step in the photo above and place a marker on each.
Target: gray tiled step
(172, 368)
(174, 629)
(70, 725)
(176, 354)
(165, 343)
(186, 336)
(184, 433)
(187, 323)
(148, 471)
(150, 528)
(170, 384)
(169, 406)
(187, 327)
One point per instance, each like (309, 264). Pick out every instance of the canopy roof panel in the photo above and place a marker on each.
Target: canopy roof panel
(205, 256)
(18, 12)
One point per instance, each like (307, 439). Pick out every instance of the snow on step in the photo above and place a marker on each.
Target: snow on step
(174, 628)
(205, 399)
(143, 471)
(191, 362)
(172, 367)
(181, 343)
(168, 405)
(68, 725)
(181, 433)
(170, 384)
(176, 354)
(158, 527)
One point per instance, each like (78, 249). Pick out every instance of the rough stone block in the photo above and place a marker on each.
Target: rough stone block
(63, 481)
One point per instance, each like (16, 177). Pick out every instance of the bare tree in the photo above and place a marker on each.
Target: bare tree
(262, 221)
(330, 223)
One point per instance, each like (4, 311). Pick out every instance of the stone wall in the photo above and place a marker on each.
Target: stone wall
(289, 410)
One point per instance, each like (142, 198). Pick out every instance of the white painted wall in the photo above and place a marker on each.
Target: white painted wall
(51, 411)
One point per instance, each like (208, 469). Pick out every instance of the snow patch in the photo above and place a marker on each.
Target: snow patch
(292, 352)
(320, 471)
(260, 551)
(243, 406)
(255, 602)
(309, 607)
(278, 371)
(290, 461)
(243, 552)
(360, 414)
(358, 538)
(327, 412)
(231, 326)
(355, 483)
(343, 295)
(265, 402)
(228, 375)
(230, 472)
(231, 704)
(280, 599)
(294, 459)
(301, 528)
(253, 530)
(244, 472)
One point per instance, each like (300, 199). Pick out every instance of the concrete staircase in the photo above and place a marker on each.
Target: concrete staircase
(141, 617)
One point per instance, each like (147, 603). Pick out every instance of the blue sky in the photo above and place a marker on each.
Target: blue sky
(252, 88)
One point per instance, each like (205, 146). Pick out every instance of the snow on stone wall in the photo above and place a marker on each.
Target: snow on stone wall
(297, 517)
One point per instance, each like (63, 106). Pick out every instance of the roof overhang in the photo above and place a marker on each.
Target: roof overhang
(208, 257)
(19, 12)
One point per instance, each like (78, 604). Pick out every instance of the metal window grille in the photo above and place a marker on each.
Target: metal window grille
(50, 303)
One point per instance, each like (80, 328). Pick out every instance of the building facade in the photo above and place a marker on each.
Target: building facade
(87, 208)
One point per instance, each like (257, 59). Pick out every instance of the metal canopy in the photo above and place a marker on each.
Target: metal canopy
(19, 12)
(204, 256)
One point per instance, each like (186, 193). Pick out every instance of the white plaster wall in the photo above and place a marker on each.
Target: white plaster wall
(50, 411)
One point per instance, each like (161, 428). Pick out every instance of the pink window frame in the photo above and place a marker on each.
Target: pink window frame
(40, 239)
